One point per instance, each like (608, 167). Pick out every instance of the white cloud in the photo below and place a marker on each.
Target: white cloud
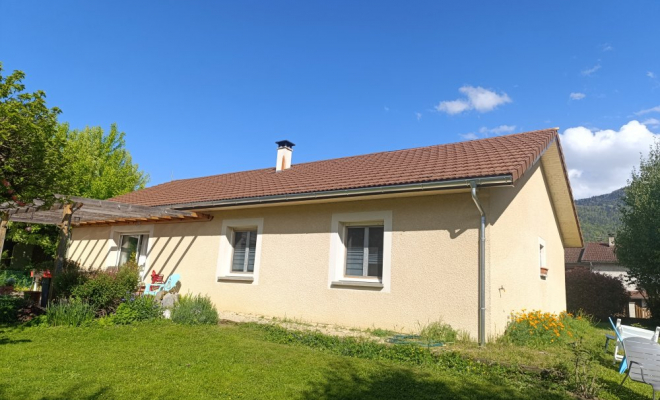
(648, 111)
(650, 75)
(477, 98)
(577, 96)
(600, 161)
(453, 107)
(589, 71)
(606, 47)
(469, 136)
(651, 122)
(498, 130)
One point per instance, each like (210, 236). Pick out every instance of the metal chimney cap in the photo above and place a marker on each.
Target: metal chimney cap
(284, 143)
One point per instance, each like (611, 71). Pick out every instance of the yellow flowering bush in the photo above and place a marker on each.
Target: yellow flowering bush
(544, 328)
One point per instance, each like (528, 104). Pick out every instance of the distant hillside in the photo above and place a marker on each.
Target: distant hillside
(599, 215)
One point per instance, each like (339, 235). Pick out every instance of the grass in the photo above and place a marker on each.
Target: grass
(249, 361)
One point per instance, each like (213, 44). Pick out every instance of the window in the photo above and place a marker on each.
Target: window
(245, 244)
(361, 251)
(132, 248)
(239, 251)
(542, 259)
(364, 251)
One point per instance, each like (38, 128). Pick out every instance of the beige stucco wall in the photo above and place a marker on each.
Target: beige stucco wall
(518, 219)
(434, 259)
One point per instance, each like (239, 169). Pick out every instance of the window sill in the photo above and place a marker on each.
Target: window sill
(237, 279)
(358, 284)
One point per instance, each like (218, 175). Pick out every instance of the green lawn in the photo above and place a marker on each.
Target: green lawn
(164, 360)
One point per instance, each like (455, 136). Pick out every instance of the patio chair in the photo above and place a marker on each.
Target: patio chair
(154, 288)
(625, 331)
(642, 359)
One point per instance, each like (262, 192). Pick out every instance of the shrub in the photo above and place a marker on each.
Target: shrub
(595, 294)
(9, 309)
(438, 332)
(72, 312)
(104, 290)
(536, 328)
(194, 310)
(20, 280)
(135, 309)
(72, 275)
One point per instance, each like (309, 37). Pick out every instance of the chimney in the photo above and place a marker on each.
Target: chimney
(284, 151)
(610, 239)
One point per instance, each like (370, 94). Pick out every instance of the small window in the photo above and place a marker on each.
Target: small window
(364, 251)
(245, 244)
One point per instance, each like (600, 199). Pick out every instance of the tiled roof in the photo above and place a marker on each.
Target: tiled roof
(503, 155)
(592, 252)
(572, 255)
(598, 252)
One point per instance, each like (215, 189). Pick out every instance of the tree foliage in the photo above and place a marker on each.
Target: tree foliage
(638, 239)
(30, 162)
(40, 158)
(599, 215)
(98, 164)
(595, 294)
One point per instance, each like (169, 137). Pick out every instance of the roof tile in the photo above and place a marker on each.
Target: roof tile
(511, 154)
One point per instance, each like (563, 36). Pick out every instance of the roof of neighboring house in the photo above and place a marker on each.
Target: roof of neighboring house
(591, 252)
(503, 155)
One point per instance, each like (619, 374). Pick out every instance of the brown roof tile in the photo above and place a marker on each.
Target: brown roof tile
(599, 252)
(591, 252)
(511, 154)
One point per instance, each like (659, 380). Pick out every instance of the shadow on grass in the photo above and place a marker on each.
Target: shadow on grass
(79, 391)
(622, 392)
(6, 340)
(344, 382)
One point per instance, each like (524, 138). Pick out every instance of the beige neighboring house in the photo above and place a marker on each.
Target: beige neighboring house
(388, 240)
(599, 257)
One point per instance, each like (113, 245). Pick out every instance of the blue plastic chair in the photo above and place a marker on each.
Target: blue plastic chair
(170, 283)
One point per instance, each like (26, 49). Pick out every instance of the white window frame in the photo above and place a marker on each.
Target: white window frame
(365, 248)
(226, 250)
(337, 277)
(116, 232)
(542, 252)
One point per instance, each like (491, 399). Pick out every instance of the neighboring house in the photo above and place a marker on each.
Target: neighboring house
(388, 240)
(600, 257)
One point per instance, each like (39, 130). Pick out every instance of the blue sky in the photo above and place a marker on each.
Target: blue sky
(203, 88)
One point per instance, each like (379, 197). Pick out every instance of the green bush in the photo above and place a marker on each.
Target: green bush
(72, 275)
(194, 310)
(72, 312)
(20, 280)
(595, 294)
(105, 290)
(9, 309)
(136, 309)
(539, 329)
(438, 332)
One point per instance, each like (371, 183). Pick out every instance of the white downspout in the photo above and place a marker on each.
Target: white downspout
(482, 265)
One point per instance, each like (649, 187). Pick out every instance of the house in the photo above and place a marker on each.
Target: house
(600, 257)
(464, 232)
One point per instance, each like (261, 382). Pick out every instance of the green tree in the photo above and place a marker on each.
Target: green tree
(638, 238)
(30, 148)
(98, 164)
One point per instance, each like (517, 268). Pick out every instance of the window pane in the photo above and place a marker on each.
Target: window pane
(375, 251)
(240, 242)
(127, 249)
(354, 251)
(253, 250)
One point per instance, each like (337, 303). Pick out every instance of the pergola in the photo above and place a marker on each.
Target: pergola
(69, 211)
